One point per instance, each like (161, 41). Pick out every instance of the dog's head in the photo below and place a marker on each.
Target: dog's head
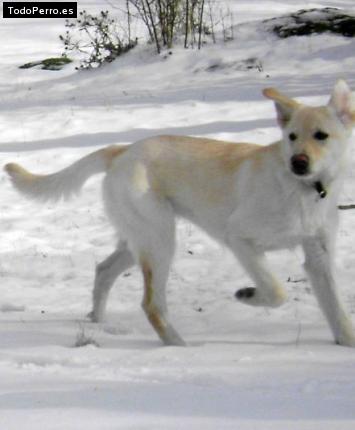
(314, 138)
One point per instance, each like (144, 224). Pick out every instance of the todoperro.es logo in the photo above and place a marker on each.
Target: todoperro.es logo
(39, 10)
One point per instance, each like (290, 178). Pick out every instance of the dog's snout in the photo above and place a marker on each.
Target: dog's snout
(300, 164)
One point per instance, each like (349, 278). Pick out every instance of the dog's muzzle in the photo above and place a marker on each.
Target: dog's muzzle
(300, 164)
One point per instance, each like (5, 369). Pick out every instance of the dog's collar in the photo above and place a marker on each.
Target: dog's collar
(318, 186)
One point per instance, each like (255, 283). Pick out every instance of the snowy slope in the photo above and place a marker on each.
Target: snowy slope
(244, 368)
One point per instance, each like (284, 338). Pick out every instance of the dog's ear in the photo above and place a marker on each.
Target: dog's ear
(285, 106)
(342, 102)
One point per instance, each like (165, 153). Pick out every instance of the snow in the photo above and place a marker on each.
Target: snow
(244, 368)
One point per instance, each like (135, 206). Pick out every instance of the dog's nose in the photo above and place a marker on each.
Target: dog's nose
(300, 164)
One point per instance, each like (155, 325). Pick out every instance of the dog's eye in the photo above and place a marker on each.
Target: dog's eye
(292, 136)
(320, 135)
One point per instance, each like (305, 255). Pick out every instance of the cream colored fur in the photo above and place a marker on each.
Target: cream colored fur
(245, 196)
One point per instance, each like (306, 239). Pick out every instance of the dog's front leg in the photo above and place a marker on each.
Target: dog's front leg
(268, 291)
(319, 267)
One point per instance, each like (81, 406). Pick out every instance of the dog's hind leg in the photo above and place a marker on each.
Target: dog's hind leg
(318, 265)
(268, 291)
(106, 274)
(154, 248)
(148, 224)
(154, 301)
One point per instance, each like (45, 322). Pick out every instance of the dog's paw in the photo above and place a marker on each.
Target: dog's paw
(347, 339)
(93, 317)
(171, 337)
(346, 342)
(253, 297)
(249, 296)
(245, 293)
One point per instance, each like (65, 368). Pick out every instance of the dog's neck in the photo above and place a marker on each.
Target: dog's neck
(319, 187)
(328, 180)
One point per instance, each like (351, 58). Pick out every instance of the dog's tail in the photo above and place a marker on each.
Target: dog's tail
(66, 182)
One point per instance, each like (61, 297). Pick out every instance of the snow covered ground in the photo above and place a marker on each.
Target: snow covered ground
(244, 368)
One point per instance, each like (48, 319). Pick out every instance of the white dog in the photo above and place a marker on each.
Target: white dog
(249, 197)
